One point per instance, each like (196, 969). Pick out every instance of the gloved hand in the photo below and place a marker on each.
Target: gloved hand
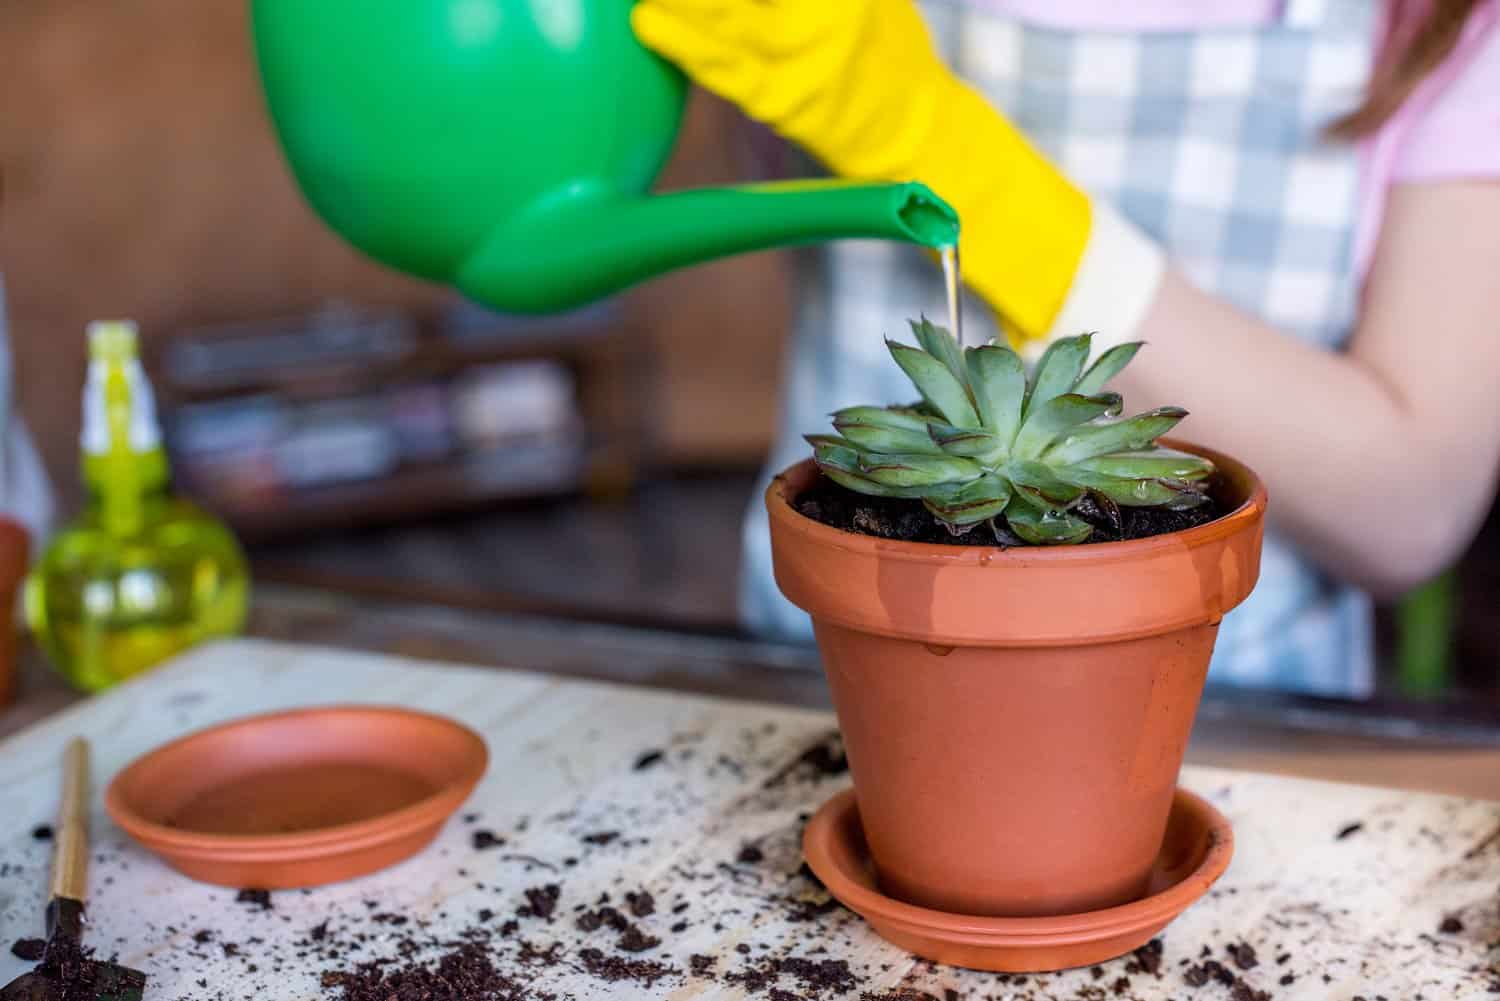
(859, 84)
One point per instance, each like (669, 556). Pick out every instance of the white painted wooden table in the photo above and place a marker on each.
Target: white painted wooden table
(1359, 915)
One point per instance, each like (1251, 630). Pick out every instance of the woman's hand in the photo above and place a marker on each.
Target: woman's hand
(859, 84)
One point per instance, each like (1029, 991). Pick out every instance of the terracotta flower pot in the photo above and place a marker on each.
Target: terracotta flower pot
(14, 549)
(1015, 719)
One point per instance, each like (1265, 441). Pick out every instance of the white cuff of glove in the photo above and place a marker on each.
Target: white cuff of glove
(1113, 288)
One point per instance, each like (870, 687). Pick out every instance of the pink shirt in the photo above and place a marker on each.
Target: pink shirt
(1449, 129)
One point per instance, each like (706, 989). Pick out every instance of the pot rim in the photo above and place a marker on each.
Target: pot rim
(778, 499)
(297, 845)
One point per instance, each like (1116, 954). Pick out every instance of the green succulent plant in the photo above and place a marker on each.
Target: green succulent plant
(990, 444)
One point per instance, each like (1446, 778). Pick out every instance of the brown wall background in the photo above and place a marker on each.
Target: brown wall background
(141, 180)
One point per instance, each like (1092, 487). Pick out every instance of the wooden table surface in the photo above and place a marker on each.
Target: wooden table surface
(1437, 754)
(1342, 891)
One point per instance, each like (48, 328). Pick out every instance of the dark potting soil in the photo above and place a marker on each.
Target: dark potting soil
(647, 759)
(42, 832)
(465, 973)
(907, 520)
(541, 902)
(256, 898)
(29, 949)
(1243, 954)
(80, 977)
(483, 839)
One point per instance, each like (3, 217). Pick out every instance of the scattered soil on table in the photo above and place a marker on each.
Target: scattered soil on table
(813, 975)
(80, 977)
(1451, 926)
(635, 940)
(541, 902)
(29, 949)
(592, 921)
(822, 759)
(1349, 830)
(907, 520)
(483, 839)
(257, 898)
(600, 837)
(1243, 954)
(1147, 959)
(601, 924)
(647, 759)
(42, 832)
(613, 969)
(466, 973)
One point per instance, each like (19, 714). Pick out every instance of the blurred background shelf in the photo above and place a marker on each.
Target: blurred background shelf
(345, 416)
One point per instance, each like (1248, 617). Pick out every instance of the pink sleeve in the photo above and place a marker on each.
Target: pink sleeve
(1449, 129)
(1456, 134)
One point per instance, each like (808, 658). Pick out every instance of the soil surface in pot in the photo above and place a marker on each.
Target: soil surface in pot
(907, 520)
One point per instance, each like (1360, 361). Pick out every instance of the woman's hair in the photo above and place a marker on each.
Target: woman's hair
(1426, 44)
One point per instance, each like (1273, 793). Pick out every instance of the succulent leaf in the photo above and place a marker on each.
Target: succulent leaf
(979, 501)
(1158, 463)
(1106, 368)
(911, 469)
(1046, 422)
(1132, 492)
(864, 485)
(1114, 436)
(1058, 370)
(1040, 483)
(936, 382)
(1041, 527)
(882, 430)
(973, 442)
(941, 344)
(831, 450)
(999, 381)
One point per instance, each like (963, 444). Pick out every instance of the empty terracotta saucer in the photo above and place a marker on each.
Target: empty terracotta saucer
(298, 798)
(1194, 854)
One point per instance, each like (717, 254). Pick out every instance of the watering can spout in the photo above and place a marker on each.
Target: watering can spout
(586, 248)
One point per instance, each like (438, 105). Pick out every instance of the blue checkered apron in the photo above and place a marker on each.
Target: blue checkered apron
(1207, 140)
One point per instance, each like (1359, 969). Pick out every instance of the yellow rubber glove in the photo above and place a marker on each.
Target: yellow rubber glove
(860, 85)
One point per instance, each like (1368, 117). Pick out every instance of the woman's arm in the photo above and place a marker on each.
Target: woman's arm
(1380, 461)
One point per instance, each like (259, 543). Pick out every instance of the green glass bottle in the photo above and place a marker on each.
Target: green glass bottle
(140, 575)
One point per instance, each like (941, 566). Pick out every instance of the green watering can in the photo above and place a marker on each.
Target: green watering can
(507, 147)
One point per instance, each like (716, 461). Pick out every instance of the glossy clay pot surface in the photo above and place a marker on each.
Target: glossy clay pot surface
(15, 546)
(1015, 719)
(298, 798)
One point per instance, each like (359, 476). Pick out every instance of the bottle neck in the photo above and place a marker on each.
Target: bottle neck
(121, 488)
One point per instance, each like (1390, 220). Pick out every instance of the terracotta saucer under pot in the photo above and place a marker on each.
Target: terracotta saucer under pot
(1194, 854)
(298, 798)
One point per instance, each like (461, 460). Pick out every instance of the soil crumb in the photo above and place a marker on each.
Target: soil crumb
(647, 759)
(483, 839)
(29, 949)
(255, 898)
